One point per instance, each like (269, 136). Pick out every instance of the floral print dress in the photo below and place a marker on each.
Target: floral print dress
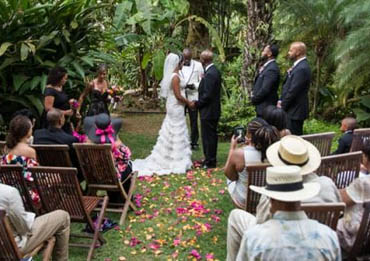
(25, 162)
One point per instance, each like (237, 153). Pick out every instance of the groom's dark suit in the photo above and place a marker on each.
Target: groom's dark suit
(294, 98)
(265, 87)
(210, 110)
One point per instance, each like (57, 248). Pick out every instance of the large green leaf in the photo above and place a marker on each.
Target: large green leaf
(35, 82)
(36, 102)
(361, 115)
(24, 51)
(7, 62)
(121, 14)
(18, 80)
(144, 7)
(79, 69)
(88, 60)
(146, 59)
(365, 100)
(4, 47)
(44, 79)
(158, 62)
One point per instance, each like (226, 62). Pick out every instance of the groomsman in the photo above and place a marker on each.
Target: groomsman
(192, 71)
(209, 106)
(294, 98)
(266, 83)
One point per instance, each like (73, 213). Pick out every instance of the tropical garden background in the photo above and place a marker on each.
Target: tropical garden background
(189, 212)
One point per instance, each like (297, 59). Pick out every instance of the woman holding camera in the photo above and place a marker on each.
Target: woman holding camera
(260, 135)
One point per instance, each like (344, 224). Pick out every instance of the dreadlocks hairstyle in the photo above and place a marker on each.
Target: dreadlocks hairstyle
(262, 135)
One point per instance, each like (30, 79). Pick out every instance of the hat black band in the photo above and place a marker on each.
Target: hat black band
(291, 163)
(285, 187)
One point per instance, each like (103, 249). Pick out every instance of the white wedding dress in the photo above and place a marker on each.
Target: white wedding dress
(171, 153)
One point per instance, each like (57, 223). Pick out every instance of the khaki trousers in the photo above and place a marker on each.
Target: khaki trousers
(56, 223)
(239, 221)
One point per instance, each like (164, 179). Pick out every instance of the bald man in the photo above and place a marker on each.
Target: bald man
(294, 98)
(210, 108)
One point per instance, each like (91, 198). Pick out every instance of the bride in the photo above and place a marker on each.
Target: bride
(171, 153)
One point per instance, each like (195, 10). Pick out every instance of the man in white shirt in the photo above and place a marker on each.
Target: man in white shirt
(192, 71)
(29, 232)
(290, 234)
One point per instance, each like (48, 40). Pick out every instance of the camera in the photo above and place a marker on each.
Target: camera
(240, 132)
(190, 87)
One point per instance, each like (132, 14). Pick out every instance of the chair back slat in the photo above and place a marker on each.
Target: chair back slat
(257, 177)
(322, 141)
(59, 189)
(359, 137)
(326, 213)
(362, 242)
(342, 168)
(12, 175)
(8, 247)
(96, 162)
(55, 155)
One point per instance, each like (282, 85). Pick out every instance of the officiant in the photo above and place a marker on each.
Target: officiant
(192, 71)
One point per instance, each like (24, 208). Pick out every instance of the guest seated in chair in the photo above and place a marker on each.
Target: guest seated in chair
(31, 231)
(19, 150)
(54, 134)
(101, 129)
(365, 164)
(345, 142)
(260, 135)
(354, 196)
(278, 118)
(289, 150)
(289, 234)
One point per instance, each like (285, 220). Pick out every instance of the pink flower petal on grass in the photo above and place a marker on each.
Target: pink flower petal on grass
(210, 257)
(195, 254)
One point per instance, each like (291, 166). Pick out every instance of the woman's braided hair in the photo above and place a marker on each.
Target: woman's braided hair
(262, 135)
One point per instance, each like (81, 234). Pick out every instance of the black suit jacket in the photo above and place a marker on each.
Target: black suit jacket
(53, 136)
(294, 98)
(344, 143)
(209, 95)
(265, 87)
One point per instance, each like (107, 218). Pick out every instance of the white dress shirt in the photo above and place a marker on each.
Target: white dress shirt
(192, 74)
(21, 220)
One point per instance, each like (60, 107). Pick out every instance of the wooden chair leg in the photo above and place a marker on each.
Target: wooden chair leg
(128, 199)
(97, 234)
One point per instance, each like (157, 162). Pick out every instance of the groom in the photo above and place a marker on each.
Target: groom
(210, 108)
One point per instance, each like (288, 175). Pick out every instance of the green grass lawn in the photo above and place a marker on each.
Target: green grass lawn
(180, 216)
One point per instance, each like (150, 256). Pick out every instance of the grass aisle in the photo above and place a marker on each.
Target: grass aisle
(180, 217)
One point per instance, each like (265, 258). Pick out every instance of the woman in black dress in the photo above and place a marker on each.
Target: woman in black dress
(55, 97)
(98, 90)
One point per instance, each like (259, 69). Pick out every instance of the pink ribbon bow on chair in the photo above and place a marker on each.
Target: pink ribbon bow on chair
(108, 131)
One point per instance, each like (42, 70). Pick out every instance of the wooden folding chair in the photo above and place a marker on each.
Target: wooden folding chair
(362, 242)
(341, 168)
(98, 168)
(326, 213)
(322, 141)
(12, 175)
(59, 189)
(55, 155)
(359, 137)
(9, 249)
(257, 177)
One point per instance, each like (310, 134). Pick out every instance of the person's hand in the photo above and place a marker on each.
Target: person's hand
(278, 104)
(68, 112)
(78, 115)
(234, 142)
(191, 105)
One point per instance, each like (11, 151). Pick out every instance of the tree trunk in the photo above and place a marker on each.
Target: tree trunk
(198, 35)
(258, 35)
(317, 85)
(143, 76)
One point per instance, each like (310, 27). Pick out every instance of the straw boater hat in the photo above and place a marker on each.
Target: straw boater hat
(293, 150)
(284, 183)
